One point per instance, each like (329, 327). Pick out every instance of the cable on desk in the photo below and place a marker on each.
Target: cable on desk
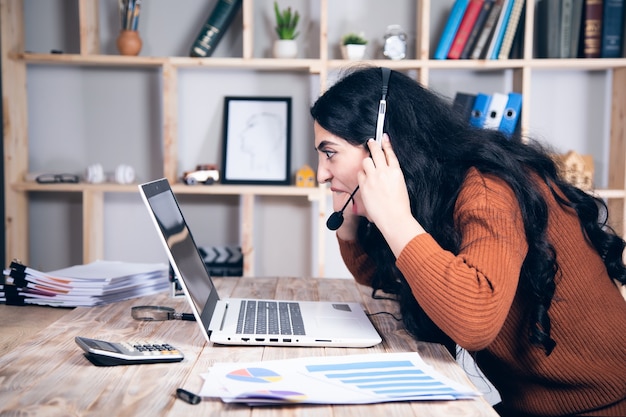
(385, 312)
(375, 296)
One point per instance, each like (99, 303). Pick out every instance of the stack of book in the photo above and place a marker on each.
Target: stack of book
(481, 29)
(580, 28)
(490, 111)
(491, 29)
(97, 283)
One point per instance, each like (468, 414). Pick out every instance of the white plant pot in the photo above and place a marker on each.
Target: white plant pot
(285, 48)
(353, 52)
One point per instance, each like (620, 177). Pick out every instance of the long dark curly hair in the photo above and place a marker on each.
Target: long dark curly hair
(436, 148)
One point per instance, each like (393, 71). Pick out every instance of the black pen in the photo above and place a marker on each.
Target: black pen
(188, 397)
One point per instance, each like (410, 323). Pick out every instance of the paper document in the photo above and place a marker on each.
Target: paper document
(351, 379)
(96, 283)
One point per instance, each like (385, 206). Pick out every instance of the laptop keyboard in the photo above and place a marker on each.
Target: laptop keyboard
(270, 317)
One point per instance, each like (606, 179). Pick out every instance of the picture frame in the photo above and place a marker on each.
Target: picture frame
(257, 141)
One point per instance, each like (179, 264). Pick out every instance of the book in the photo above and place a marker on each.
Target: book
(463, 104)
(214, 28)
(510, 116)
(465, 28)
(498, 32)
(485, 35)
(553, 31)
(493, 117)
(511, 29)
(565, 32)
(479, 111)
(541, 28)
(478, 26)
(517, 48)
(577, 17)
(450, 29)
(592, 28)
(548, 28)
(612, 29)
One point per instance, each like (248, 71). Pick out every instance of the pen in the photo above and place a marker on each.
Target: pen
(188, 397)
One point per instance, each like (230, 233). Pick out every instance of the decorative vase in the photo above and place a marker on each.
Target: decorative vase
(353, 51)
(285, 48)
(129, 42)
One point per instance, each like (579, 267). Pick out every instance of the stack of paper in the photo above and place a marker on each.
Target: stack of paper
(100, 282)
(351, 379)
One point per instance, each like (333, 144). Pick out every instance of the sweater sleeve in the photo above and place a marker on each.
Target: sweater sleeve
(358, 263)
(470, 294)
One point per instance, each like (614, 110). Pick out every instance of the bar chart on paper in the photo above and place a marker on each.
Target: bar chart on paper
(393, 379)
(351, 379)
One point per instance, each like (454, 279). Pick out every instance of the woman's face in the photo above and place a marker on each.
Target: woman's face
(338, 164)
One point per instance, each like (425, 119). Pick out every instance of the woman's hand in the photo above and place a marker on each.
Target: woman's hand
(385, 196)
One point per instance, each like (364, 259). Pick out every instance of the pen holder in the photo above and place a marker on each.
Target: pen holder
(129, 42)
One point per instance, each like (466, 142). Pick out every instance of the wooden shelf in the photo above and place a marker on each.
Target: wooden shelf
(314, 65)
(312, 193)
(309, 65)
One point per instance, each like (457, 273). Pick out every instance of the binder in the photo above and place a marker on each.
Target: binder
(479, 111)
(494, 111)
(449, 31)
(463, 104)
(510, 116)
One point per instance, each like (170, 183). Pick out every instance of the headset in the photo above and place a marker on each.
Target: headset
(335, 220)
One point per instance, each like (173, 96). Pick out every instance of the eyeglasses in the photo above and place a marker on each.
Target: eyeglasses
(56, 178)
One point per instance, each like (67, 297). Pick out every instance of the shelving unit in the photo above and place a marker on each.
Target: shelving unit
(14, 75)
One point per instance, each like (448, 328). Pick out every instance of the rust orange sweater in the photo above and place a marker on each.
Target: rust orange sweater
(473, 298)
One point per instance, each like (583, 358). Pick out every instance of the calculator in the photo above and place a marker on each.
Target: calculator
(103, 353)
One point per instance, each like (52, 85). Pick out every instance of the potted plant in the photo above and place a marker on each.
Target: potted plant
(286, 25)
(353, 45)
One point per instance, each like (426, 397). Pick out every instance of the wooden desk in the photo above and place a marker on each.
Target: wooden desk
(45, 373)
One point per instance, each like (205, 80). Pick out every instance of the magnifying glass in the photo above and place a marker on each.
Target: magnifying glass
(159, 313)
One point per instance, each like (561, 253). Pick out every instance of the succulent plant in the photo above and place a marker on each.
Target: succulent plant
(286, 22)
(353, 39)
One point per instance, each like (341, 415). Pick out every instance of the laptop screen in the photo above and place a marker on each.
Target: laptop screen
(183, 252)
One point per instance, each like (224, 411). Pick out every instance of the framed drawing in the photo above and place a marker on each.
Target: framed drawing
(257, 140)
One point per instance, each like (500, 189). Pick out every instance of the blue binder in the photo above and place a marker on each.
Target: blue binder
(479, 112)
(495, 111)
(510, 117)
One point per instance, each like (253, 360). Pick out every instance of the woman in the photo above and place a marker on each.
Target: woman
(482, 243)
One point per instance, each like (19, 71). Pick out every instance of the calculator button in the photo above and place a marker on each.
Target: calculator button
(128, 346)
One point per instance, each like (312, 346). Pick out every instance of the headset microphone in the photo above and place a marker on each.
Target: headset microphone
(335, 220)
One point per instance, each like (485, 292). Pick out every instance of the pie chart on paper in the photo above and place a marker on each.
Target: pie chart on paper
(257, 375)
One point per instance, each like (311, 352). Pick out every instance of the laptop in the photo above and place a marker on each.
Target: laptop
(248, 321)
